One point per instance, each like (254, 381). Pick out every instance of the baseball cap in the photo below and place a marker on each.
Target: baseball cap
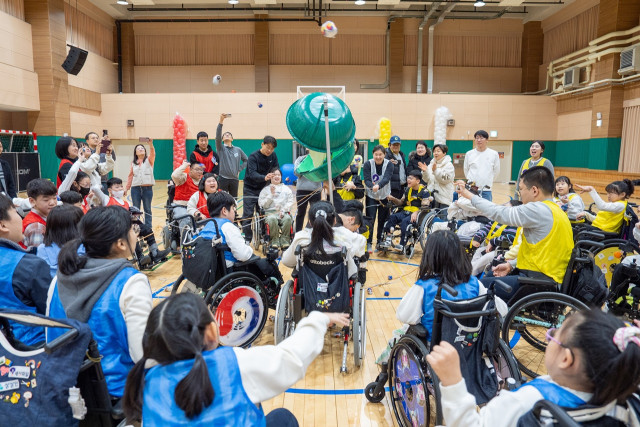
(395, 139)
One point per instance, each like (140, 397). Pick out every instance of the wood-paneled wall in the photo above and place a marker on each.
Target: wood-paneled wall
(88, 33)
(84, 99)
(14, 8)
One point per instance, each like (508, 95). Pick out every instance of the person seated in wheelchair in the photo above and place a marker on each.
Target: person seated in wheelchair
(498, 256)
(415, 197)
(610, 216)
(197, 204)
(568, 200)
(222, 208)
(547, 236)
(116, 198)
(348, 225)
(443, 260)
(349, 184)
(625, 278)
(322, 238)
(186, 179)
(462, 216)
(492, 235)
(195, 381)
(594, 359)
(277, 201)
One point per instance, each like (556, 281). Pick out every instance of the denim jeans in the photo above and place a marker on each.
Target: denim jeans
(486, 194)
(281, 417)
(144, 193)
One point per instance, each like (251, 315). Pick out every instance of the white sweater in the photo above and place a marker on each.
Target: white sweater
(482, 167)
(303, 238)
(441, 180)
(280, 201)
(95, 169)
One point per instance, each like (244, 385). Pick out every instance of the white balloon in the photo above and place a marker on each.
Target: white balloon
(440, 121)
(216, 79)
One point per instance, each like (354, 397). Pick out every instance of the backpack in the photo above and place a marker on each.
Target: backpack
(589, 284)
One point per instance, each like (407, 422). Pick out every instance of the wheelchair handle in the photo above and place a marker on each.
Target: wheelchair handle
(590, 233)
(590, 244)
(468, 315)
(62, 340)
(447, 288)
(563, 419)
(502, 285)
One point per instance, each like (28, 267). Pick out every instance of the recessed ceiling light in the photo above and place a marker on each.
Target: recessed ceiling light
(123, 2)
(360, 2)
(233, 1)
(479, 3)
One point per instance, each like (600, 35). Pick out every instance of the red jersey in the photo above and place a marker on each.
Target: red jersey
(114, 202)
(31, 218)
(208, 161)
(202, 205)
(62, 163)
(186, 190)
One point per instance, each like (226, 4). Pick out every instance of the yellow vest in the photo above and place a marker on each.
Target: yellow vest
(493, 232)
(346, 194)
(526, 163)
(411, 198)
(551, 255)
(610, 222)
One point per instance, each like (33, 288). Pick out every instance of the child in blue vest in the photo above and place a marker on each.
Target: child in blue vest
(186, 378)
(222, 208)
(594, 358)
(102, 289)
(443, 260)
(24, 278)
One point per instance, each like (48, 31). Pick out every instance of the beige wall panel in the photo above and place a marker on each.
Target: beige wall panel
(285, 78)
(192, 28)
(16, 46)
(195, 79)
(84, 121)
(576, 125)
(98, 75)
(18, 89)
(513, 116)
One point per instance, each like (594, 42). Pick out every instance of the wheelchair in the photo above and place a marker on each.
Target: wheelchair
(291, 301)
(238, 299)
(261, 235)
(541, 304)
(412, 237)
(427, 226)
(487, 363)
(624, 290)
(171, 233)
(618, 414)
(95, 408)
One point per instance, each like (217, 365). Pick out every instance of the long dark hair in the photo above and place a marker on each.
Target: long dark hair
(175, 331)
(62, 225)
(99, 229)
(322, 216)
(614, 374)
(443, 257)
(625, 186)
(135, 156)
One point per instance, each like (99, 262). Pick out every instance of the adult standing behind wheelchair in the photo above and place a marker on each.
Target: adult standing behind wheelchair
(439, 175)
(377, 181)
(277, 201)
(197, 204)
(196, 381)
(186, 183)
(592, 359)
(102, 289)
(547, 237)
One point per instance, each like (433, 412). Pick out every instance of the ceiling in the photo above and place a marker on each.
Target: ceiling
(527, 10)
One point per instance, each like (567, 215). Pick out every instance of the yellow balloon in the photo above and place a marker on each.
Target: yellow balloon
(385, 131)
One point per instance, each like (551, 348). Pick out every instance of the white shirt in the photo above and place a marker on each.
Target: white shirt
(303, 238)
(95, 169)
(441, 180)
(280, 201)
(240, 250)
(482, 167)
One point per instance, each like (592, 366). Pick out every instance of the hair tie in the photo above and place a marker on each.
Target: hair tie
(321, 213)
(626, 335)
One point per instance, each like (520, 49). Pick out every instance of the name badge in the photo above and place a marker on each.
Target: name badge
(10, 385)
(20, 372)
(322, 287)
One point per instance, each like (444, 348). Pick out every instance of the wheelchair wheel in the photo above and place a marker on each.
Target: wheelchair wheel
(371, 395)
(183, 285)
(285, 323)
(612, 254)
(257, 231)
(359, 332)
(526, 324)
(425, 228)
(506, 365)
(415, 394)
(238, 302)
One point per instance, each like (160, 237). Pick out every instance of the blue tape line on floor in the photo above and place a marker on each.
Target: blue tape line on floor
(155, 294)
(327, 392)
(396, 262)
(382, 299)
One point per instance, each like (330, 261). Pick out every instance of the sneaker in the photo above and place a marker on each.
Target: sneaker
(145, 263)
(398, 248)
(160, 255)
(369, 247)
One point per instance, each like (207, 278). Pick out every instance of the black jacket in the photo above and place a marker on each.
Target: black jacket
(8, 179)
(414, 159)
(31, 278)
(258, 166)
(395, 178)
(341, 179)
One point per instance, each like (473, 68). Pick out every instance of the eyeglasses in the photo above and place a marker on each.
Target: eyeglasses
(550, 337)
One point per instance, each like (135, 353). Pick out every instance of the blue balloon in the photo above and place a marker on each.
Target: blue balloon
(288, 177)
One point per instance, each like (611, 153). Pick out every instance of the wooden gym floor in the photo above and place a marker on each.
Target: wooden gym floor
(325, 397)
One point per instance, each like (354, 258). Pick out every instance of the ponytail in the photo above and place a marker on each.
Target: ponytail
(625, 186)
(69, 262)
(133, 392)
(195, 392)
(630, 187)
(322, 216)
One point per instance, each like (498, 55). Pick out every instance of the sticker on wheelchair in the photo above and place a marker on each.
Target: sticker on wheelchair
(239, 316)
(410, 388)
(322, 287)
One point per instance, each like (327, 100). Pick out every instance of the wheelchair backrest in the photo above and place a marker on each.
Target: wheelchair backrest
(321, 263)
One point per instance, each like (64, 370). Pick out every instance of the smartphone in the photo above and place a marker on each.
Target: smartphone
(105, 132)
(228, 115)
(143, 139)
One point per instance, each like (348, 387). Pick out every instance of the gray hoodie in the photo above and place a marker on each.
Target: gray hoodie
(80, 291)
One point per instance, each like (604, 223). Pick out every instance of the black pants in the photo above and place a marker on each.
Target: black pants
(375, 207)
(513, 281)
(228, 185)
(302, 200)
(250, 204)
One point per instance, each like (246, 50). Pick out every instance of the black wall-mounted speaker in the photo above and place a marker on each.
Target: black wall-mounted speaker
(75, 60)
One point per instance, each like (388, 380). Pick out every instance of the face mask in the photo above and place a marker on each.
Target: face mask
(118, 194)
(84, 191)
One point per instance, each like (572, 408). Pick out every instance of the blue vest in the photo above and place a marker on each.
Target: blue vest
(109, 330)
(9, 259)
(555, 394)
(209, 233)
(230, 406)
(430, 286)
